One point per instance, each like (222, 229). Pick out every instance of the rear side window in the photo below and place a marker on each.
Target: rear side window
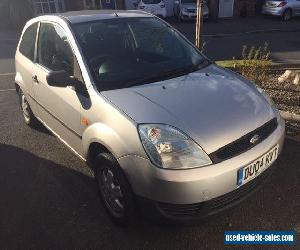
(27, 44)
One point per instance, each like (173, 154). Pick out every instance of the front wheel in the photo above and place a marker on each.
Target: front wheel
(115, 191)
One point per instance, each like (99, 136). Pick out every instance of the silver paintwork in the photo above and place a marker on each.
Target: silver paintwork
(179, 10)
(214, 106)
(270, 8)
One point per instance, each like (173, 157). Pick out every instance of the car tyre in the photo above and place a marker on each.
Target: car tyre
(27, 113)
(115, 191)
(287, 15)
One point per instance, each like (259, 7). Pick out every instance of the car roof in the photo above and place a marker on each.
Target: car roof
(94, 15)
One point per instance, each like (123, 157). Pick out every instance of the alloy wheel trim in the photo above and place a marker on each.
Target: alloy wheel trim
(111, 192)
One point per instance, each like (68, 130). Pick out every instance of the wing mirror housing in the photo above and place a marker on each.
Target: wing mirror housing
(60, 78)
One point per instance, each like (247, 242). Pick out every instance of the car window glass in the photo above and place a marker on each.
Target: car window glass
(54, 51)
(121, 52)
(27, 44)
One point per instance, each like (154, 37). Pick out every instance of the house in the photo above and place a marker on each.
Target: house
(218, 8)
(230, 8)
(53, 6)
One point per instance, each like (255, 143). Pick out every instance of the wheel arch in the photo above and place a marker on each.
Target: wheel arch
(100, 138)
(95, 148)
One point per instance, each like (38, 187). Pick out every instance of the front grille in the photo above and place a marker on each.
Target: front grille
(203, 209)
(243, 144)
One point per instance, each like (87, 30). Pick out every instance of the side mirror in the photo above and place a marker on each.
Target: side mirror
(59, 78)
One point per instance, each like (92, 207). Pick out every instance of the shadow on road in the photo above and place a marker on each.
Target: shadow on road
(47, 205)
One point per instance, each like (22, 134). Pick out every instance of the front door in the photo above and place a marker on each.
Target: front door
(226, 8)
(108, 4)
(59, 107)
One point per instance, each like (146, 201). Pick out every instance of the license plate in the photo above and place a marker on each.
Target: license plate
(254, 169)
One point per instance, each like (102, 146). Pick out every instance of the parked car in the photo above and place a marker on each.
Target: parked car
(286, 9)
(166, 131)
(187, 10)
(155, 7)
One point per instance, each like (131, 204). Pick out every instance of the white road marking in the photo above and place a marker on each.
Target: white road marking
(5, 90)
(7, 74)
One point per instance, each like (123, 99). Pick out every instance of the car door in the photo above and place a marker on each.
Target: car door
(59, 107)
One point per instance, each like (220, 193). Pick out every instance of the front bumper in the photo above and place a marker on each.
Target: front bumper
(198, 211)
(272, 11)
(193, 15)
(194, 186)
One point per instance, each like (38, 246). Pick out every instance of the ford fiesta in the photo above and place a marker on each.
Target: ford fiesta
(166, 131)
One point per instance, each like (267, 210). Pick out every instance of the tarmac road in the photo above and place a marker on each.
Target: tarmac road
(49, 200)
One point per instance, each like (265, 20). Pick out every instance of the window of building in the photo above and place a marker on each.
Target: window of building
(89, 4)
(48, 6)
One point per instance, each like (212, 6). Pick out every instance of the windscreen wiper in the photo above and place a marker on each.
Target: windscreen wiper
(168, 74)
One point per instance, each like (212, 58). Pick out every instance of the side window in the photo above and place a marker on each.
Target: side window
(27, 44)
(54, 51)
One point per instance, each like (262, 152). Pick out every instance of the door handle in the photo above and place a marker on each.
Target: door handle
(35, 79)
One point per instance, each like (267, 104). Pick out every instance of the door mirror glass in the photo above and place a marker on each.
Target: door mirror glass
(59, 78)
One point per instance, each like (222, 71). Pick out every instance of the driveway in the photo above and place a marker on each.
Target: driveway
(224, 39)
(49, 198)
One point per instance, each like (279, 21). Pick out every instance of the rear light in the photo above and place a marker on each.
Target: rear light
(141, 7)
(281, 4)
(162, 5)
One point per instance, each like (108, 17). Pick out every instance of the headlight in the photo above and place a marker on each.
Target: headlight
(169, 148)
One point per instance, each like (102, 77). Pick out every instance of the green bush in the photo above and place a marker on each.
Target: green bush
(254, 64)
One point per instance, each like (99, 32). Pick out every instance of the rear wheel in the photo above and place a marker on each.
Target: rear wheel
(115, 191)
(28, 116)
(287, 15)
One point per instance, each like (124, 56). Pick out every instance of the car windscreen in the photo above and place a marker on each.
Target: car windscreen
(123, 52)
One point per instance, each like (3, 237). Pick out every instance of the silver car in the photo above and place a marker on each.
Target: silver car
(286, 9)
(187, 10)
(166, 131)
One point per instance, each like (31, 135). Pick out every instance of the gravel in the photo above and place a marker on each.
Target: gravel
(285, 95)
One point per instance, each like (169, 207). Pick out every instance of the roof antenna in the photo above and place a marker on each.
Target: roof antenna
(116, 14)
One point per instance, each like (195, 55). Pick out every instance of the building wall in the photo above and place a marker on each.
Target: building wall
(244, 7)
(74, 5)
(241, 7)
